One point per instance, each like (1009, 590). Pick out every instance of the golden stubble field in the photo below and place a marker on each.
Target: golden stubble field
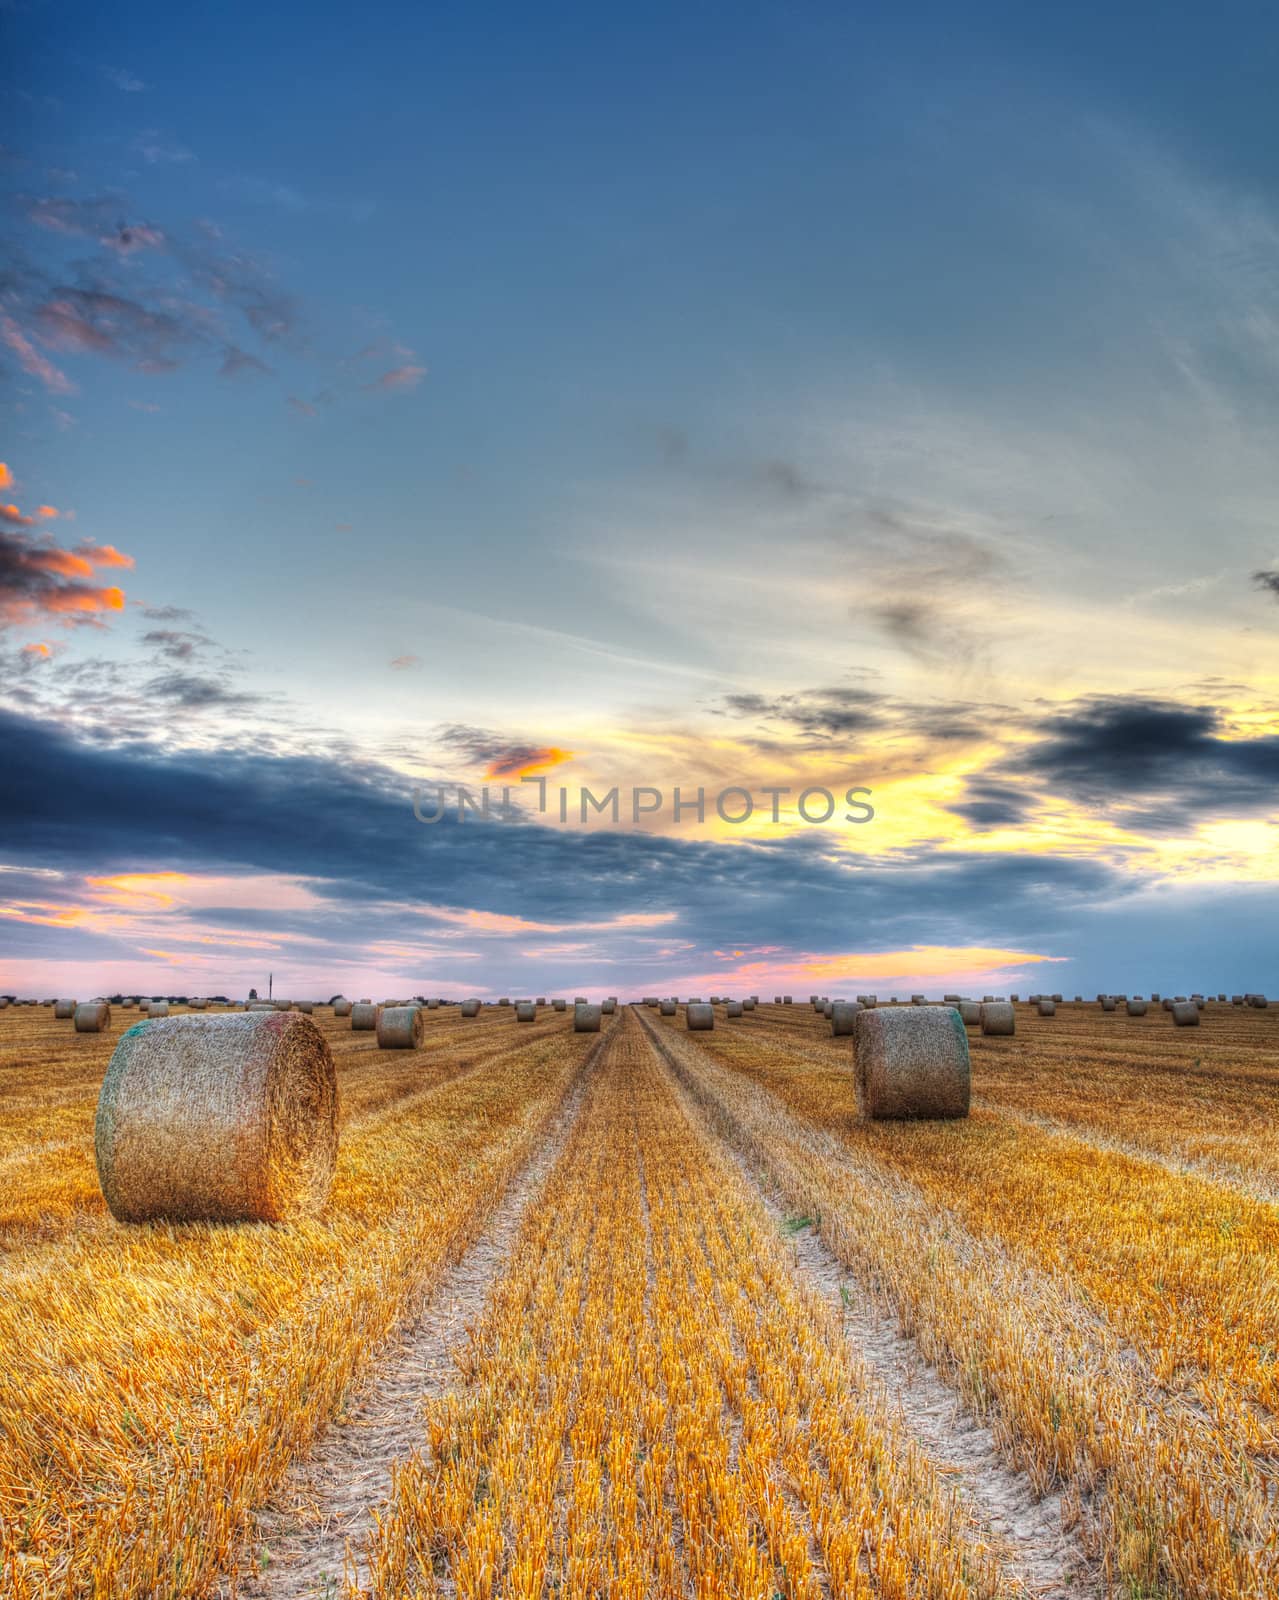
(651, 1313)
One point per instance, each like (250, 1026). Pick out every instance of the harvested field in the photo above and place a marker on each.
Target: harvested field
(645, 1313)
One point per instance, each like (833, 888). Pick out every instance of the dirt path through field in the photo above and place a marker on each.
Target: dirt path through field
(1034, 1535)
(313, 1533)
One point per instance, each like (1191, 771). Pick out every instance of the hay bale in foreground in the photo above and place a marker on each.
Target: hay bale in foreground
(912, 1063)
(667, 1008)
(470, 1008)
(92, 1016)
(525, 1011)
(843, 1018)
(223, 1118)
(399, 1027)
(364, 1016)
(64, 1010)
(698, 1018)
(586, 1017)
(998, 1019)
(1185, 1014)
(1136, 1008)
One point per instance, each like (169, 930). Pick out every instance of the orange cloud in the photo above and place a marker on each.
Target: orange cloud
(6, 477)
(32, 361)
(36, 650)
(14, 517)
(528, 761)
(102, 555)
(128, 888)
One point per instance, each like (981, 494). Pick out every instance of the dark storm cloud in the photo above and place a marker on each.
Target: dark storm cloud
(1268, 579)
(826, 712)
(992, 805)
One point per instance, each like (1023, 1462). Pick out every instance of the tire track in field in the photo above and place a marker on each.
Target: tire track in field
(315, 1529)
(1029, 1531)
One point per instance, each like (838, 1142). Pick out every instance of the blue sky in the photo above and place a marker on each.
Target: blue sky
(768, 394)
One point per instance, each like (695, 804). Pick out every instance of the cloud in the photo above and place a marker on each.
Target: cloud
(403, 663)
(405, 377)
(124, 80)
(38, 579)
(31, 360)
(502, 757)
(302, 407)
(6, 477)
(166, 613)
(99, 322)
(1268, 580)
(157, 150)
(174, 644)
(236, 362)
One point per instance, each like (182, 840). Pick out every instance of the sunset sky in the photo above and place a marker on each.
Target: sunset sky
(766, 395)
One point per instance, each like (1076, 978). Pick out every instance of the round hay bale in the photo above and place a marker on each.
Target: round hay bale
(667, 1008)
(306, 1007)
(559, 1005)
(1236, 999)
(364, 1016)
(223, 1118)
(843, 1019)
(341, 1008)
(92, 1016)
(1259, 1002)
(399, 1027)
(1185, 1014)
(749, 1003)
(64, 1010)
(198, 1005)
(260, 1005)
(525, 1011)
(912, 1063)
(1136, 1008)
(609, 1006)
(969, 1012)
(698, 1018)
(1047, 1008)
(586, 1017)
(998, 1019)
(158, 1008)
(734, 1009)
(470, 1008)
(1107, 1002)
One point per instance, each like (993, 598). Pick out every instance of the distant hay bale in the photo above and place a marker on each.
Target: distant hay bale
(1236, 999)
(364, 1016)
(1154, 996)
(306, 1007)
(504, 1001)
(342, 1008)
(470, 1008)
(1259, 1002)
(158, 1008)
(223, 1118)
(667, 1008)
(203, 1005)
(1185, 1014)
(260, 1005)
(998, 1019)
(559, 1005)
(698, 1018)
(1047, 1008)
(586, 1017)
(525, 1011)
(609, 1006)
(1107, 1002)
(969, 1012)
(786, 1000)
(63, 1010)
(1136, 1008)
(733, 1008)
(843, 1018)
(92, 1016)
(649, 1000)
(912, 1063)
(749, 1003)
(399, 1027)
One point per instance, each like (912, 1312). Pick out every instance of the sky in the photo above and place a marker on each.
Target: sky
(779, 397)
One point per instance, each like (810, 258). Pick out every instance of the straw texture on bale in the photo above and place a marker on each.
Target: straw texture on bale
(969, 1012)
(525, 1011)
(223, 1118)
(364, 1017)
(341, 1008)
(998, 1019)
(586, 1018)
(399, 1027)
(698, 1017)
(1185, 1014)
(470, 1008)
(1047, 1008)
(843, 1018)
(1136, 1008)
(733, 1008)
(92, 1016)
(63, 1010)
(912, 1063)
(608, 1007)
(667, 1008)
